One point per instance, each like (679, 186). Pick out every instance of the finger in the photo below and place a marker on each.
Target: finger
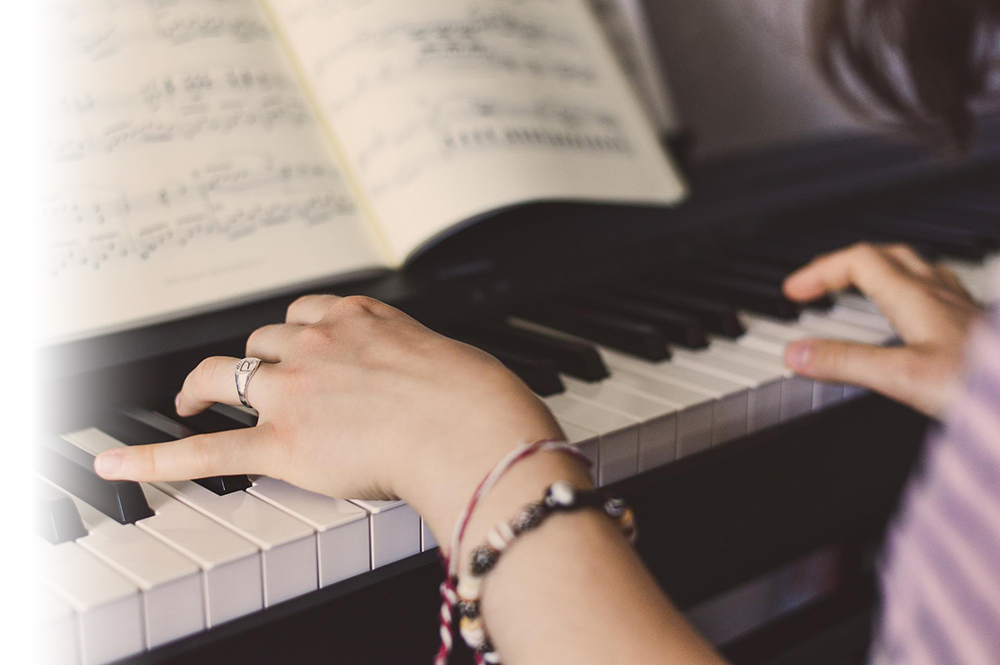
(948, 277)
(213, 381)
(201, 456)
(873, 272)
(909, 259)
(271, 343)
(308, 310)
(882, 369)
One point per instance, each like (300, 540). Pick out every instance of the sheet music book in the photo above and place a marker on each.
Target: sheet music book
(205, 151)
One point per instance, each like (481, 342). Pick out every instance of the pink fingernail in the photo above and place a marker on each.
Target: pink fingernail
(177, 401)
(108, 464)
(798, 355)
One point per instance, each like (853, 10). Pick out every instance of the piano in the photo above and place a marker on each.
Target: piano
(654, 336)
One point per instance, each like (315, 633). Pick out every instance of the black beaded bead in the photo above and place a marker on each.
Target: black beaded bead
(483, 560)
(469, 609)
(485, 647)
(528, 518)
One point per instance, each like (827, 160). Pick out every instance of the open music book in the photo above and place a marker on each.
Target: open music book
(207, 151)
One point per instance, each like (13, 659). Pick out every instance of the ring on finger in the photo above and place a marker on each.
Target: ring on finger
(245, 369)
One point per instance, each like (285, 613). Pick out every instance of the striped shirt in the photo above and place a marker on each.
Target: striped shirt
(940, 571)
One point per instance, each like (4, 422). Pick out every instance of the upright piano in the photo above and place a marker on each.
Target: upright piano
(655, 337)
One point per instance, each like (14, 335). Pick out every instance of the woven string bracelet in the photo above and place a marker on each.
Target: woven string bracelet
(449, 597)
(560, 497)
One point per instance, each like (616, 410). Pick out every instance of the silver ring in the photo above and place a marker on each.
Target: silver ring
(245, 369)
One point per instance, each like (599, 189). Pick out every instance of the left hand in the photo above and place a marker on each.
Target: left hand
(356, 400)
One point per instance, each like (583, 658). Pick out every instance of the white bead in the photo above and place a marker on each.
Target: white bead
(562, 493)
(469, 587)
(500, 536)
(473, 635)
(445, 614)
(446, 637)
(492, 657)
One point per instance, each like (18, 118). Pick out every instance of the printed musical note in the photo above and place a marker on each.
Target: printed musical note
(233, 198)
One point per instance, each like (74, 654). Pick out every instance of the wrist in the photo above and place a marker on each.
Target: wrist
(441, 501)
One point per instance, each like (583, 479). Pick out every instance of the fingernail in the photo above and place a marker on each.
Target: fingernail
(108, 464)
(798, 355)
(177, 402)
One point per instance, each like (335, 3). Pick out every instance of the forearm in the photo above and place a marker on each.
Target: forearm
(573, 590)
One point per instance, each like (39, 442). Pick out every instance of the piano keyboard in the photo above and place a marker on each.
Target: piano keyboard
(638, 376)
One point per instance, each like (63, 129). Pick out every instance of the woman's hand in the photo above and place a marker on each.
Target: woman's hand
(356, 400)
(925, 304)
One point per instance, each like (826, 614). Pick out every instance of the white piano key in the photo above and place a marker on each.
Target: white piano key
(172, 597)
(729, 399)
(796, 391)
(55, 630)
(974, 277)
(667, 386)
(619, 434)
(764, 399)
(856, 302)
(341, 527)
(877, 322)
(393, 530)
(427, 540)
(287, 545)
(108, 607)
(657, 422)
(587, 442)
(835, 329)
(231, 565)
(695, 417)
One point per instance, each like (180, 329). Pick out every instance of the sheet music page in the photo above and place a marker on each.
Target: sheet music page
(447, 109)
(627, 26)
(185, 166)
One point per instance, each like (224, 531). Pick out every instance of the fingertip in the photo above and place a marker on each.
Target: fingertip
(109, 465)
(799, 355)
(803, 285)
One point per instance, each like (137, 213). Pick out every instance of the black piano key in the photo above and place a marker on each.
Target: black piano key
(779, 253)
(615, 331)
(56, 518)
(72, 469)
(537, 372)
(761, 272)
(131, 427)
(210, 421)
(717, 316)
(981, 222)
(744, 293)
(949, 242)
(679, 328)
(570, 357)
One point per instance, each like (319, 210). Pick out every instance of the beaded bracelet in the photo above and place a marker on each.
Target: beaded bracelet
(560, 497)
(449, 597)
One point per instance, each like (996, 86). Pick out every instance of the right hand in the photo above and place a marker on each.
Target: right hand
(927, 306)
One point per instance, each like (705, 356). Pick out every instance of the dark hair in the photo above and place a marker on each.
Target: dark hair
(924, 62)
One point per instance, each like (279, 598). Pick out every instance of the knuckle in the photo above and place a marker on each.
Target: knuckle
(254, 338)
(865, 251)
(298, 303)
(358, 305)
(314, 336)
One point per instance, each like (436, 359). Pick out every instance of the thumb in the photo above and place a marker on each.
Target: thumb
(882, 369)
